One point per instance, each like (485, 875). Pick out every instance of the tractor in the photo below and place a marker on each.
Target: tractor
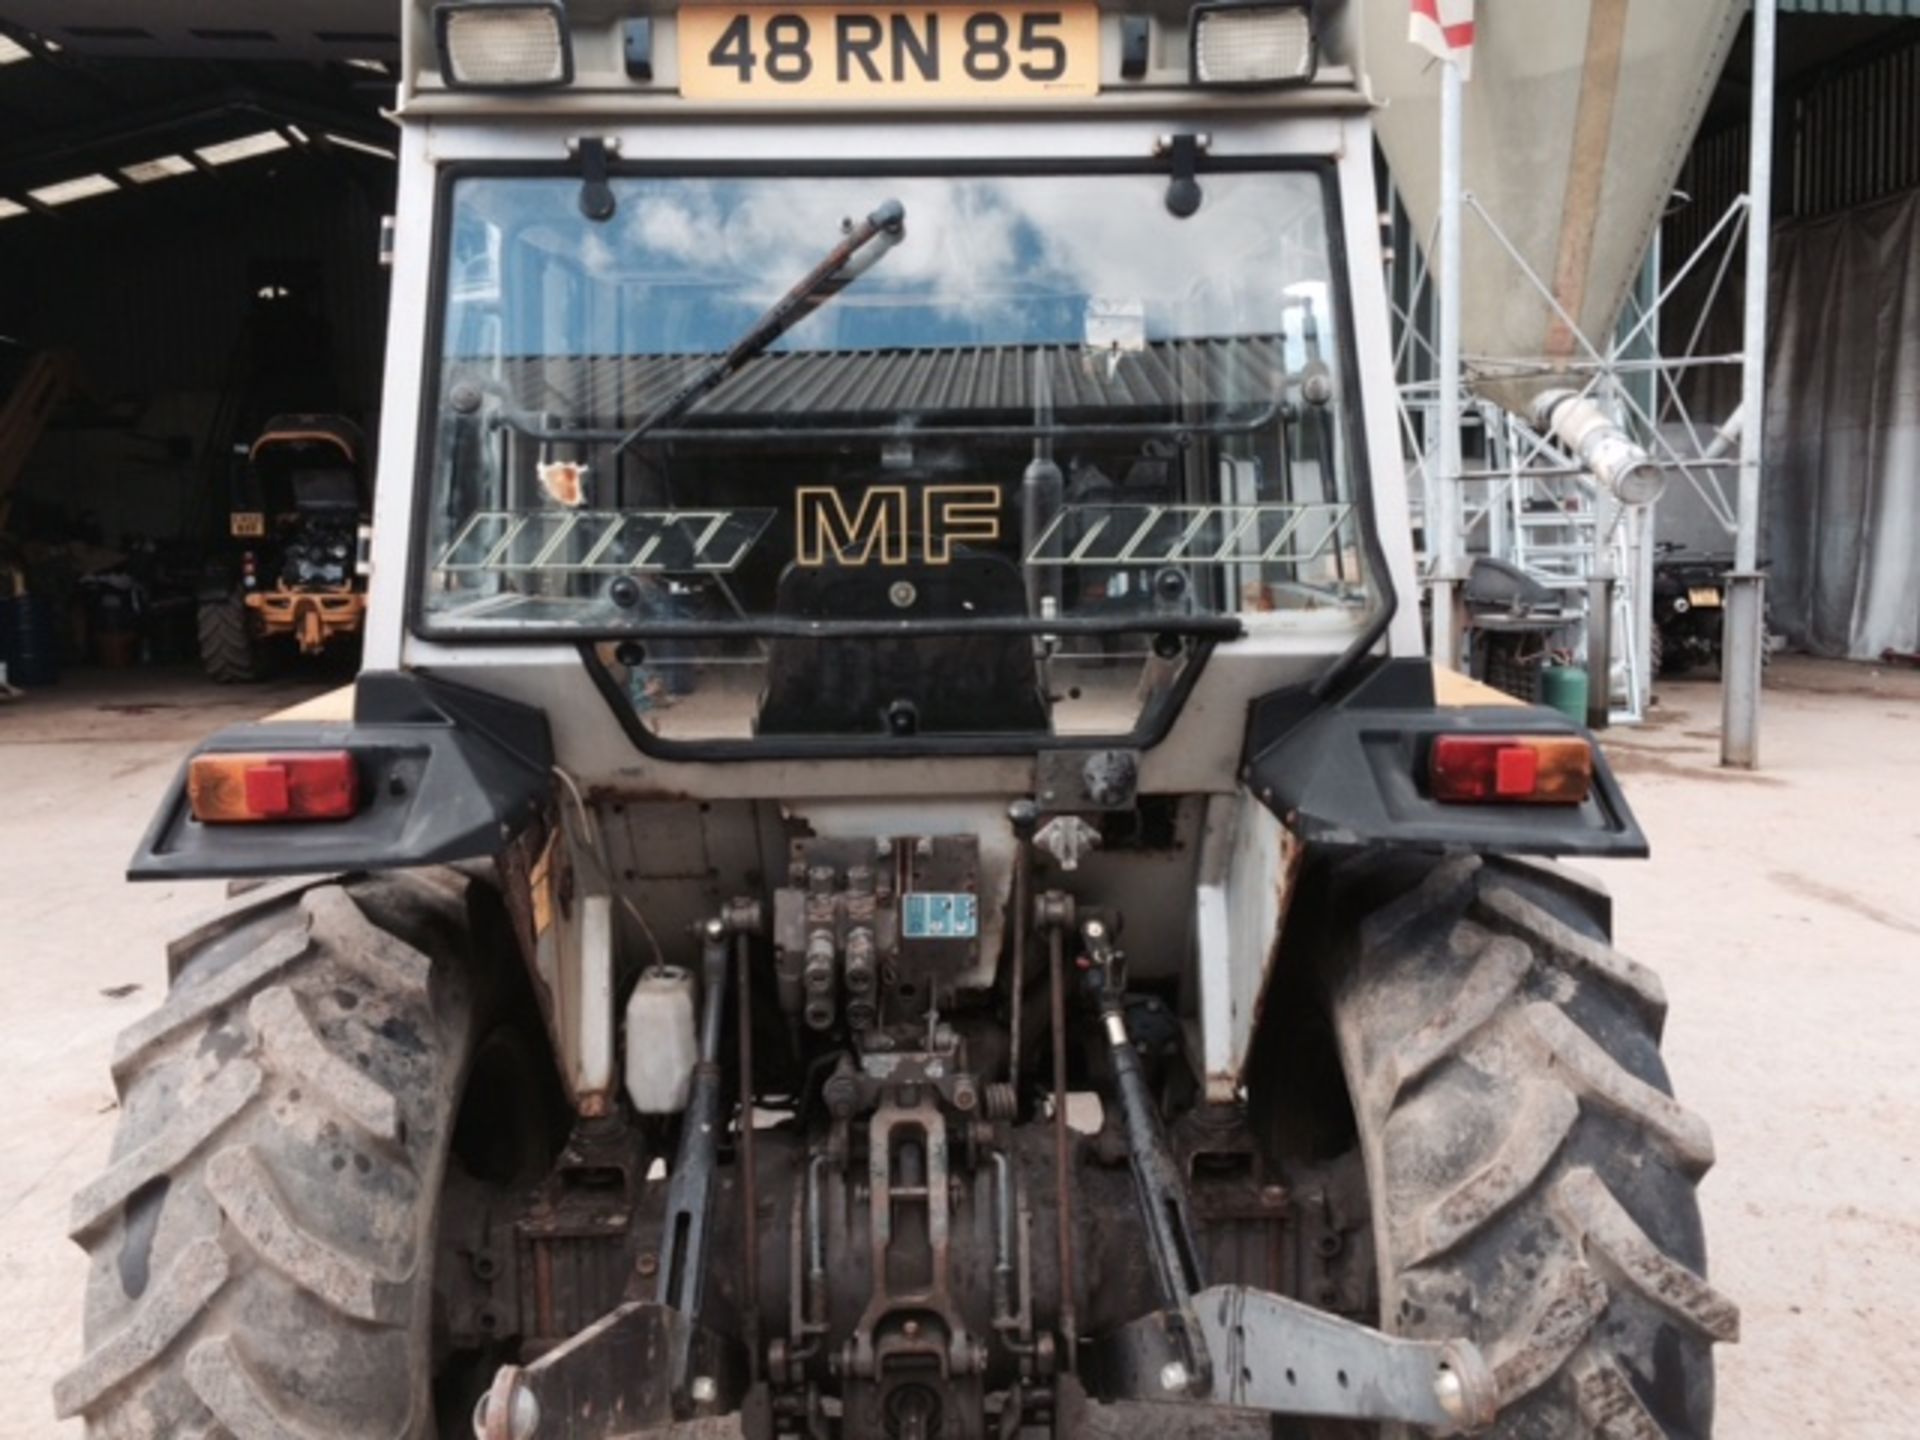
(896, 866)
(293, 578)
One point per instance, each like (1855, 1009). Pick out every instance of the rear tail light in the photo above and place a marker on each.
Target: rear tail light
(1510, 769)
(239, 789)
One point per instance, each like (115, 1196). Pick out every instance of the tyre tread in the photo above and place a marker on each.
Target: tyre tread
(291, 1047)
(1558, 1326)
(224, 1097)
(229, 1082)
(253, 1205)
(226, 648)
(1612, 1237)
(378, 954)
(1469, 991)
(1598, 1077)
(1513, 914)
(192, 1004)
(173, 1303)
(1607, 1402)
(225, 1385)
(1497, 973)
(1544, 1121)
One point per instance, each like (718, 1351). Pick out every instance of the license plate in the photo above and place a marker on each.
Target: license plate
(1706, 596)
(249, 523)
(900, 53)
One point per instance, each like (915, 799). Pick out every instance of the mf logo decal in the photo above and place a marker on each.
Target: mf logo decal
(877, 527)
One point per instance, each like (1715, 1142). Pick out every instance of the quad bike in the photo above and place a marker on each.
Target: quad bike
(976, 999)
(1689, 608)
(301, 501)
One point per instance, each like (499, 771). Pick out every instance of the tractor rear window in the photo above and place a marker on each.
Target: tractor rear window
(831, 456)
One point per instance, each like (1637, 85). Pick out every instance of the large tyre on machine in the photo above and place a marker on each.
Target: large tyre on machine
(229, 651)
(1532, 1179)
(263, 1242)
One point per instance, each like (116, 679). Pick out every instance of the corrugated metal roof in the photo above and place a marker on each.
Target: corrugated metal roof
(855, 384)
(258, 30)
(1891, 9)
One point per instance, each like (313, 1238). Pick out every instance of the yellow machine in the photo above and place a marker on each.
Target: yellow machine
(298, 510)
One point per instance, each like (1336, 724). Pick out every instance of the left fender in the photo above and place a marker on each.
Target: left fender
(447, 773)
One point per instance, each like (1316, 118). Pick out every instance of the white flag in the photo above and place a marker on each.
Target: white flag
(1445, 29)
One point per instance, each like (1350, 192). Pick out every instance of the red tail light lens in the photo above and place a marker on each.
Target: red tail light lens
(1510, 769)
(241, 789)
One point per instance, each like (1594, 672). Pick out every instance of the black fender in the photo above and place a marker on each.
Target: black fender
(1350, 771)
(446, 773)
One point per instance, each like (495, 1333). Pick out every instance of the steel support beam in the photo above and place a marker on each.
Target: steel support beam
(1445, 561)
(1744, 623)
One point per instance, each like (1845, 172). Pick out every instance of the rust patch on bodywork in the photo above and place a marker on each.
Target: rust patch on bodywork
(1293, 854)
(515, 865)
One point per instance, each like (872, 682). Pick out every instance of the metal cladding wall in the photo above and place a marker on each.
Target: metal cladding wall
(1897, 9)
(233, 29)
(154, 298)
(1856, 139)
(1847, 137)
(151, 289)
(1843, 421)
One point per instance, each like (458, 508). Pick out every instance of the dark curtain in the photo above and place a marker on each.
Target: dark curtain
(1842, 480)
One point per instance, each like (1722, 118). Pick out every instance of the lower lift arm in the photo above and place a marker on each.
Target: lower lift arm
(1238, 1347)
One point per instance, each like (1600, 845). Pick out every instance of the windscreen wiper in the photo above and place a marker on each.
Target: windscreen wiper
(847, 262)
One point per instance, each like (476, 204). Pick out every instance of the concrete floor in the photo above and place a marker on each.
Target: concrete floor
(1783, 909)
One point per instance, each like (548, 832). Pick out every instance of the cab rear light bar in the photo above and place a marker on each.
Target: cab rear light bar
(528, 44)
(233, 789)
(1510, 769)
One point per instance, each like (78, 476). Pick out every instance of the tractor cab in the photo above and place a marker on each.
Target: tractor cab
(310, 468)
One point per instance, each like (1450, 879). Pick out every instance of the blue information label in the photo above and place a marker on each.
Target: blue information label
(941, 917)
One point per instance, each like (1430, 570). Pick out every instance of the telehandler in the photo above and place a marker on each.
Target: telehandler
(299, 505)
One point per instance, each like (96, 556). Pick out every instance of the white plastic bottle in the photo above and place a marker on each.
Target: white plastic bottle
(663, 1043)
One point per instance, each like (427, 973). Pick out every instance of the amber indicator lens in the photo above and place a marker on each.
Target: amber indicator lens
(240, 789)
(1510, 769)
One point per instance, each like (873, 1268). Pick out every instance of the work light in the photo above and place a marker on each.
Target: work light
(1259, 44)
(503, 44)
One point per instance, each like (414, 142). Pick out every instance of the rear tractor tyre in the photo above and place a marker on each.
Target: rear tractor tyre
(1532, 1178)
(229, 650)
(262, 1243)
